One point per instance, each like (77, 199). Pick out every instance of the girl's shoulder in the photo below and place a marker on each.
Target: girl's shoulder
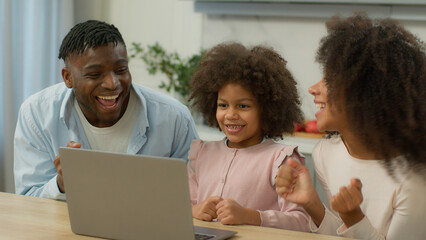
(204, 153)
(282, 153)
(283, 149)
(279, 152)
(199, 146)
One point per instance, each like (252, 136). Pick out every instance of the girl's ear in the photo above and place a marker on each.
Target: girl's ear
(67, 76)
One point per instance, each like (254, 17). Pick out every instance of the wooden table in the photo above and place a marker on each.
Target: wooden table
(23, 217)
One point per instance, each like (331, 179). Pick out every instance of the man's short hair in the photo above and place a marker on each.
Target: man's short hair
(89, 34)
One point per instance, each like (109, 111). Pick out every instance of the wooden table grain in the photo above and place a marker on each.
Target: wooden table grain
(24, 217)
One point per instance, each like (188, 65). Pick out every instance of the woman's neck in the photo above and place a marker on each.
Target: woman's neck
(355, 147)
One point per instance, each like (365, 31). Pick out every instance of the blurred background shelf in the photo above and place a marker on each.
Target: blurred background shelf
(308, 135)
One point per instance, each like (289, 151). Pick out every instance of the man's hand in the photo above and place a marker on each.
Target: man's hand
(347, 202)
(206, 210)
(230, 212)
(57, 163)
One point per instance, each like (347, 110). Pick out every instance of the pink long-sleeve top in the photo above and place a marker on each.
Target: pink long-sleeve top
(246, 175)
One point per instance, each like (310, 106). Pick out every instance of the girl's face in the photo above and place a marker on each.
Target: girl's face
(238, 116)
(328, 117)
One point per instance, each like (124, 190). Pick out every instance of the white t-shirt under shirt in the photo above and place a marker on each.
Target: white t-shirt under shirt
(394, 208)
(115, 138)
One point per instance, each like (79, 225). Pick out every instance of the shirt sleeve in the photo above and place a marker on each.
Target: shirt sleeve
(329, 224)
(408, 219)
(35, 173)
(291, 216)
(409, 211)
(362, 230)
(185, 133)
(191, 168)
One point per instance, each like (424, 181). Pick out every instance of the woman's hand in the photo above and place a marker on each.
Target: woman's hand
(294, 184)
(347, 202)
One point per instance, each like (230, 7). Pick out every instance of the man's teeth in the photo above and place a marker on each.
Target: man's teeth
(108, 97)
(320, 105)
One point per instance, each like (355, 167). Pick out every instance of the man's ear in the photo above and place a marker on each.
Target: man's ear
(67, 76)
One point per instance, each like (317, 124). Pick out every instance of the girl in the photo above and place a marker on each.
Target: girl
(373, 96)
(251, 96)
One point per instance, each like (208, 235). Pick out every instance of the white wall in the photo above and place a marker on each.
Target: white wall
(172, 23)
(295, 38)
(175, 25)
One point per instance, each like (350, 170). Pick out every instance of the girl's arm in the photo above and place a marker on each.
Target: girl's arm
(206, 210)
(230, 211)
(291, 217)
(192, 168)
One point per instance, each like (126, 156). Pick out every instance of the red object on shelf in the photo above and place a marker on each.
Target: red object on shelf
(311, 127)
(298, 127)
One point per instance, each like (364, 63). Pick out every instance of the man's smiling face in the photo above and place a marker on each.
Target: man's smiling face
(101, 81)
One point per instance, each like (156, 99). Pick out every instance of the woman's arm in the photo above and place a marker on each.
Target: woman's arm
(294, 184)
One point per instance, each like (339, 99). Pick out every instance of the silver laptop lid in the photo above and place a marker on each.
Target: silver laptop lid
(124, 196)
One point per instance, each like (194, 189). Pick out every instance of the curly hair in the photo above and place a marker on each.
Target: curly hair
(89, 34)
(375, 71)
(261, 71)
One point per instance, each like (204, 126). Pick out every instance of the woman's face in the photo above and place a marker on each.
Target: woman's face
(329, 118)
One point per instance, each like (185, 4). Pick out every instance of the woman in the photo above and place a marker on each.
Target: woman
(372, 101)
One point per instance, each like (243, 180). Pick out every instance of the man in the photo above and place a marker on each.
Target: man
(99, 108)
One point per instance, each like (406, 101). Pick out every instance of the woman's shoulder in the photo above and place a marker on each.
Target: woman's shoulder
(327, 145)
(411, 180)
(331, 141)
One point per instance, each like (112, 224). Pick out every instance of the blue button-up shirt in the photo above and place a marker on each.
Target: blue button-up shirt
(48, 120)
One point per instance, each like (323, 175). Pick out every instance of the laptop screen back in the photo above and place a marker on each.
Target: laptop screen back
(124, 196)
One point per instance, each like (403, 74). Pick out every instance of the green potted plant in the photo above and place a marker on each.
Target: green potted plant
(178, 70)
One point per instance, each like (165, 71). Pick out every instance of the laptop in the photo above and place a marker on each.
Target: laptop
(124, 196)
